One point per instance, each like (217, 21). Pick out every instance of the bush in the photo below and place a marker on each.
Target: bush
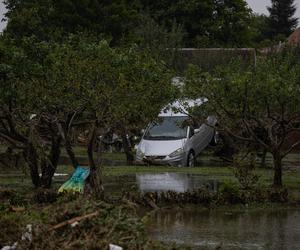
(228, 193)
(278, 195)
(244, 171)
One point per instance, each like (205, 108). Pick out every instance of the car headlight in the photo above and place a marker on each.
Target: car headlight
(139, 153)
(176, 153)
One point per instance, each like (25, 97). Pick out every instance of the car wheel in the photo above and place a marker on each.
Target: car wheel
(215, 139)
(191, 159)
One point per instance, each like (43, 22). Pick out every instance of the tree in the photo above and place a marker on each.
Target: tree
(118, 89)
(78, 83)
(54, 20)
(281, 20)
(162, 43)
(258, 105)
(205, 23)
(231, 23)
(259, 29)
(18, 128)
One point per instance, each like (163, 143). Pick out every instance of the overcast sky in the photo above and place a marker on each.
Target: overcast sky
(258, 6)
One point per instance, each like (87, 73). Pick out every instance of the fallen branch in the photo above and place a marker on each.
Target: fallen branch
(73, 220)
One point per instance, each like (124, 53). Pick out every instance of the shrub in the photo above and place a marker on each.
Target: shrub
(244, 171)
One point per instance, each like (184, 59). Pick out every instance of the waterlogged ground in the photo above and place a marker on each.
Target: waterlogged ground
(214, 229)
(159, 182)
(275, 228)
(209, 172)
(123, 179)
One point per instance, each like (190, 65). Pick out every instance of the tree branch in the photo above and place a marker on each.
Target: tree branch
(291, 149)
(12, 141)
(255, 136)
(237, 136)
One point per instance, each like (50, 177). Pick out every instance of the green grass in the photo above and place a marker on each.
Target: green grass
(81, 151)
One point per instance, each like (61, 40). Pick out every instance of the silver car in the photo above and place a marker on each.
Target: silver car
(173, 140)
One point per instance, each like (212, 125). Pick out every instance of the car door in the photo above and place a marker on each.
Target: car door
(203, 135)
(200, 138)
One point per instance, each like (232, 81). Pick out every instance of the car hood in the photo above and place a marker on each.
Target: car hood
(160, 147)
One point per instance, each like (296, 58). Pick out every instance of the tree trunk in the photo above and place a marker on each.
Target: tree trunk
(68, 145)
(263, 158)
(49, 166)
(277, 160)
(228, 150)
(31, 158)
(70, 152)
(95, 178)
(127, 149)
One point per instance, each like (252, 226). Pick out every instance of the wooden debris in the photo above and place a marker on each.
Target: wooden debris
(17, 209)
(73, 220)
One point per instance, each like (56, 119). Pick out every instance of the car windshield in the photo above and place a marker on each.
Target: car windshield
(167, 128)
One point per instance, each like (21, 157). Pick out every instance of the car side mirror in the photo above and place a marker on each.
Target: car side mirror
(142, 131)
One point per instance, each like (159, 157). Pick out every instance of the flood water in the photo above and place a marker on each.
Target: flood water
(178, 182)
(213, 229)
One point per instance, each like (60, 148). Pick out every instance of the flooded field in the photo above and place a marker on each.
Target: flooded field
(199, 228)
(259, 229)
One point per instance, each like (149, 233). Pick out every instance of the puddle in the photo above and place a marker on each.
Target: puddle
(263, 229)
(178, 182)
(57, 174)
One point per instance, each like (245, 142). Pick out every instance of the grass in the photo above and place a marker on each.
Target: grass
(81, 151)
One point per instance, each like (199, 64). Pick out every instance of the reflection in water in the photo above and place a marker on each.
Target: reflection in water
(279, 229)
(178, 182)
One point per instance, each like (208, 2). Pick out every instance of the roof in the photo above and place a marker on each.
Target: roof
(179, 107)
(294, 38)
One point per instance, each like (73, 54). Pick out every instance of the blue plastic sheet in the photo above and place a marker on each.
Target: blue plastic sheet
(77, 181)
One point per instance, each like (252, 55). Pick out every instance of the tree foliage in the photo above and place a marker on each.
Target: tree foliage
(281, 19)
(259, 106)
(48, 19)
(204, 23)
(77, 82)
(260, 30)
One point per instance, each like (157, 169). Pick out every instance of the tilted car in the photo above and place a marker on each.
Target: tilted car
(173, 139)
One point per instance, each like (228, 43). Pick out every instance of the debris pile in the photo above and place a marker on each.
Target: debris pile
(79, 223)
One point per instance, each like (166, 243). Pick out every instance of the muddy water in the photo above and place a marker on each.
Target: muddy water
(179, 182)
(259, 229)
